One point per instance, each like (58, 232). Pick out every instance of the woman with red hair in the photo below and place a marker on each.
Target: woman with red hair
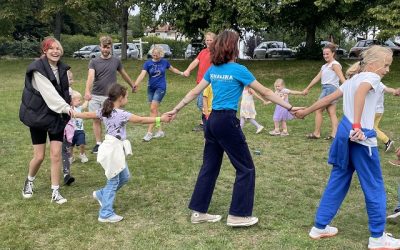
(45, 110)
(223, 133)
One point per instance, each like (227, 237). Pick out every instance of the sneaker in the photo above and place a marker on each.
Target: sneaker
(396, 213)
(112, 219)
(159, 134)
(388, 145)
(57, 197)
(199, 127)
(148, 137)
(27, 191)
(238, 221)
(68, 179)
(386, 241)
(198, 217)
(284, 133)
(95, 149)
(395, 163)
(96, 198)
(259, 129)
(273, 132)
(83, 157)
(317, 233)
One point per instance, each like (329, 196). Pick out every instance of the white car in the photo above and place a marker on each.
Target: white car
(131, 51)
(86, 51)
(272, 49)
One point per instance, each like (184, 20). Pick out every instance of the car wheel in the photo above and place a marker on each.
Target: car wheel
(266, 55)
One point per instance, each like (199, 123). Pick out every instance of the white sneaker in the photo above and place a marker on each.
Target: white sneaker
(148, 137)
(198, 217)
(386, 241)
(57, 197)
(27, 191)
(97, 198)
(159, 134)
(112, 219)
(71, 159)
(259, 129)
(83, 157)
(317, 233)
(239, 221)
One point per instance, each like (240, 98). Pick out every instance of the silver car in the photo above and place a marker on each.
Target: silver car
(131, 50)
(272, 49)
(87, 51)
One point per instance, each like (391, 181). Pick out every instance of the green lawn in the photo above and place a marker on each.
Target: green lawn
(291, 175)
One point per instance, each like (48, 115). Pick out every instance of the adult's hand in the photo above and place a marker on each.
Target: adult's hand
(172, 114)
(186, 73)
(88, 96)
(299, 114)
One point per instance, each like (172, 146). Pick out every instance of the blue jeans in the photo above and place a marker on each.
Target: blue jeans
(107, 194)
(155, 95)
(328, 89)
(199, 102)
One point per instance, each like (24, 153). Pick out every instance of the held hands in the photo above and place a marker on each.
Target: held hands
(172, 114)
(305, 91)
(300, 113)
(356, 134)
(166, 117)
(186, 73)
(135, 88)
(397, 92)
(88, 96)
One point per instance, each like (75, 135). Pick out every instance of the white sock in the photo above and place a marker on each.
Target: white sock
(30, 178)
(98, 143)
(55, 187)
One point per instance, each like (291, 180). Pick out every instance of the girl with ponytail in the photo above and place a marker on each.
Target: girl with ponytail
(115, 147)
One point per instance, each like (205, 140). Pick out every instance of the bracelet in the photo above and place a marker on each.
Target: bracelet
(158, 121)
(356, 125)
(290, 108)
(181, 73)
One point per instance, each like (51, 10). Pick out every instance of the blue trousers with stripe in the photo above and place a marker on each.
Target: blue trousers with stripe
(223, 134)
(365, 161)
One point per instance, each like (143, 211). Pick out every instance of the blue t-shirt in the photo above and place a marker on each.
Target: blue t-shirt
(156, 71)
(227, 83)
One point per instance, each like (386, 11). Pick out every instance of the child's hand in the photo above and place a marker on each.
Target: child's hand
(299, 113)
(305, 92)
(267, 102)
(171, 115)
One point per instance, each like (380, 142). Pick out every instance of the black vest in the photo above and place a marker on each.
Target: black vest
(33, 111)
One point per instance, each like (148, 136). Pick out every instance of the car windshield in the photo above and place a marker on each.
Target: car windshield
(390, 43)
(88, 48)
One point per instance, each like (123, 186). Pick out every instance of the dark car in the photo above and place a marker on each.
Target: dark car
(364, 44)
(86, 51)
(193, 49)
(272, 49)
(166, 48)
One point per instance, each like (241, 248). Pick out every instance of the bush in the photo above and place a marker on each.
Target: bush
(177, 47)
(313, 52)
(24, 48)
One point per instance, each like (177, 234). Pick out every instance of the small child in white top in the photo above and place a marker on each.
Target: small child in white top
(112, 151)
(281, 114)
(79, 134)
(248, 109)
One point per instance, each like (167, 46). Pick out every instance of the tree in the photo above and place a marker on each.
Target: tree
(388, 14)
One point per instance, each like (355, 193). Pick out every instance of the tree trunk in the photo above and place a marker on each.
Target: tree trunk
(124, 28)
(310, 35)
(58, 25)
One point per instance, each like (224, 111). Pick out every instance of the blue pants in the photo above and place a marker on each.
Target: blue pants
(107, 194)
(223, 134)
(199, 102)
(370, 176)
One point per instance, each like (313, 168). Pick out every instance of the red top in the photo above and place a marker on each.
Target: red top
(204, 63)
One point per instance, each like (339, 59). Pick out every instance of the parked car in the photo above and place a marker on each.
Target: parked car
(272, 49)
(167, 50)
(85, 52)
(131, 50)
(193, 49)
(364, 44)
(340, 52)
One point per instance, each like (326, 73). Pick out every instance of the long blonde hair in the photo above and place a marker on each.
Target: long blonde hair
(373, 54)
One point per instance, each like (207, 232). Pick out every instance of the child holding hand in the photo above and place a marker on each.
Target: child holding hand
(114, 149)
(281, 115)
(248, 109)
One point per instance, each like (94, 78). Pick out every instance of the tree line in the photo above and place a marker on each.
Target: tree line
(35, 19)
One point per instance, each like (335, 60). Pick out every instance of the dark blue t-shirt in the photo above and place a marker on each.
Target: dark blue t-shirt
(156, 71)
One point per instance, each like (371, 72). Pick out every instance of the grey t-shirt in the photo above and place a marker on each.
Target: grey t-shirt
(105, 74)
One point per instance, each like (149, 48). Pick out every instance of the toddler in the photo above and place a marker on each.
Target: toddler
(248, 110)
(79, 138)
(281, 114)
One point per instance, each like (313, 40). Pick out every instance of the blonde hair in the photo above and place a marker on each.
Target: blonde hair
(105, 40)
(373, 54)
(211, 34)
(158, 50)
(70, 76)
(75, 94)
(279, 80)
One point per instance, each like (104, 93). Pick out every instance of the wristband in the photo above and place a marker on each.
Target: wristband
(181, 73)
(158, 121)
(356, 125)
(290, 108)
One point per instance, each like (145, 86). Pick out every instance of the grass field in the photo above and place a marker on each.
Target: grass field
(291, 175)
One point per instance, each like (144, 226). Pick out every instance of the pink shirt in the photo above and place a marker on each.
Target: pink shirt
(204, 63)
